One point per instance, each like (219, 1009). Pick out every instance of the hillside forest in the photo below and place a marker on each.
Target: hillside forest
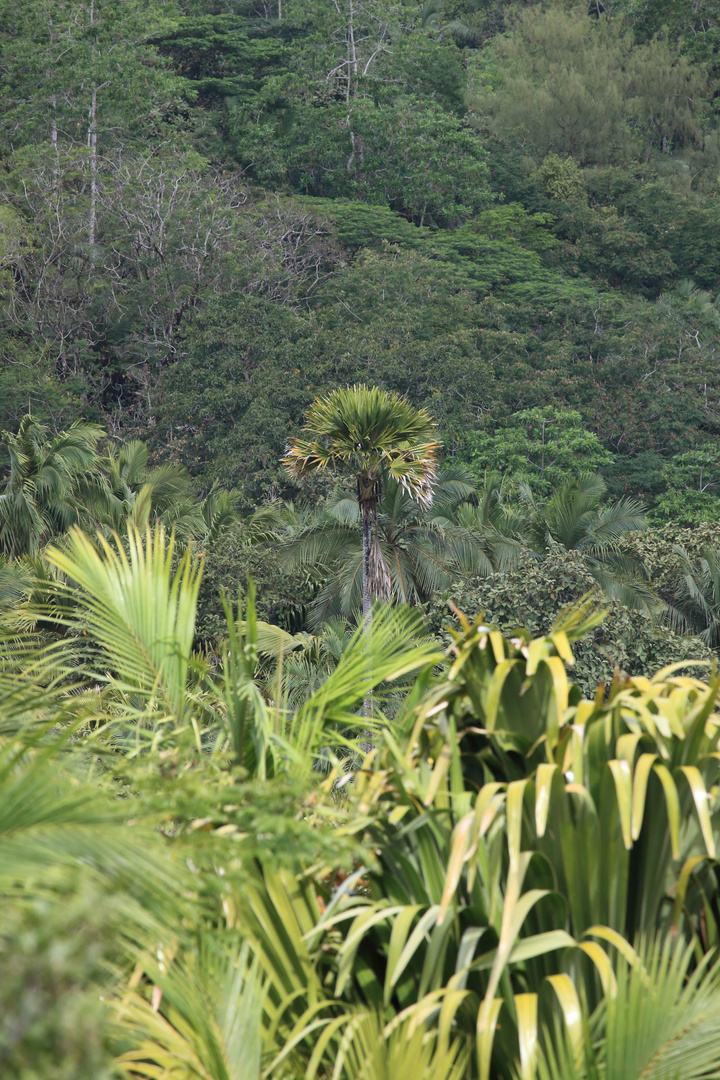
(359, 539)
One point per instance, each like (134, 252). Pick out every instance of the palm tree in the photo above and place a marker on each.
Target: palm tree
(47, 484)
(662, 1020)
(576, 518)
(133, 492)
(421, 549)
(695, 598)
(129, 491)
(55, 484)
(371, 434)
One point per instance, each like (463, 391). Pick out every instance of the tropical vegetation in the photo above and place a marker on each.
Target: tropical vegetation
(517, 878)
(359, 540)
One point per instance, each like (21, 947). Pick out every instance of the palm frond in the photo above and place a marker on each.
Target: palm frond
(662, 1022)
(367, 431)
(140, 613)
(52, 820)
(405, 1050)
(207, 1020)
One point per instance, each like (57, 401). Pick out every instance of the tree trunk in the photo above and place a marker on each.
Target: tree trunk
(367, 542)
(367, 509)
(92, 143)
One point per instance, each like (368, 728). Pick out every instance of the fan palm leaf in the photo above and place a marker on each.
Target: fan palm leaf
(366, 431)
(138, 611)
(369, 433)
(661, 1023)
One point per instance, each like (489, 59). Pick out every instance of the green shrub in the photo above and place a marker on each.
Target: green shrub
(535, 594)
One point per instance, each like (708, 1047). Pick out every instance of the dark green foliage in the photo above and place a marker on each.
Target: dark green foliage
(258, 364)
(535, 594)
(403, 238)
(220, 56)
(284, 596)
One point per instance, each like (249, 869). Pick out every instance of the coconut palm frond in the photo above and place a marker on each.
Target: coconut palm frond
(219, 512)
(15, 581)
(42, 494)
(695, 601)
(632, 592)
(616, 521)
(373, 1050)
(208, 1019)
(342, 592)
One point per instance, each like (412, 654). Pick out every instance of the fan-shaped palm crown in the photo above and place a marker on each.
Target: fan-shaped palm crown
(366, 431)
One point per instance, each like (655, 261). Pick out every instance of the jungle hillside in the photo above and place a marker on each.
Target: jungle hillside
(359, 539)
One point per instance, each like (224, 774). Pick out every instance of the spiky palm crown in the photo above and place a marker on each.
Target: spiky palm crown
(368, 431)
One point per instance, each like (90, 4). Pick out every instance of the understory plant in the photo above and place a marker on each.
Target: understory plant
(518, 880)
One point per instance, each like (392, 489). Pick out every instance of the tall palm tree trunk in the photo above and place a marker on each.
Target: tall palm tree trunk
(375, 582)
(367, 508)
(368, 517)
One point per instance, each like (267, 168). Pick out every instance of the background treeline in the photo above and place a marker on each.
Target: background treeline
(209, 210)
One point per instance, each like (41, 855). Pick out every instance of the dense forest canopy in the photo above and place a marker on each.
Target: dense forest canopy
(488, 207)
(359, 539)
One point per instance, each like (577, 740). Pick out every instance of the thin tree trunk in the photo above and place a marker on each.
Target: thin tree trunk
(54, 130)
(92, 137)
(351, 42)
(367, 541)
(92, 143)
(352, 79)
(367, 509)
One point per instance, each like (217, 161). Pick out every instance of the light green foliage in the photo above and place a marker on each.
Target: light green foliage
(663, 1020)
(53, 950)
(210, 214)
(692, 492)
(544, 446)
(441, 919)
(244, 940)
(561, 178)
(558, 66)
